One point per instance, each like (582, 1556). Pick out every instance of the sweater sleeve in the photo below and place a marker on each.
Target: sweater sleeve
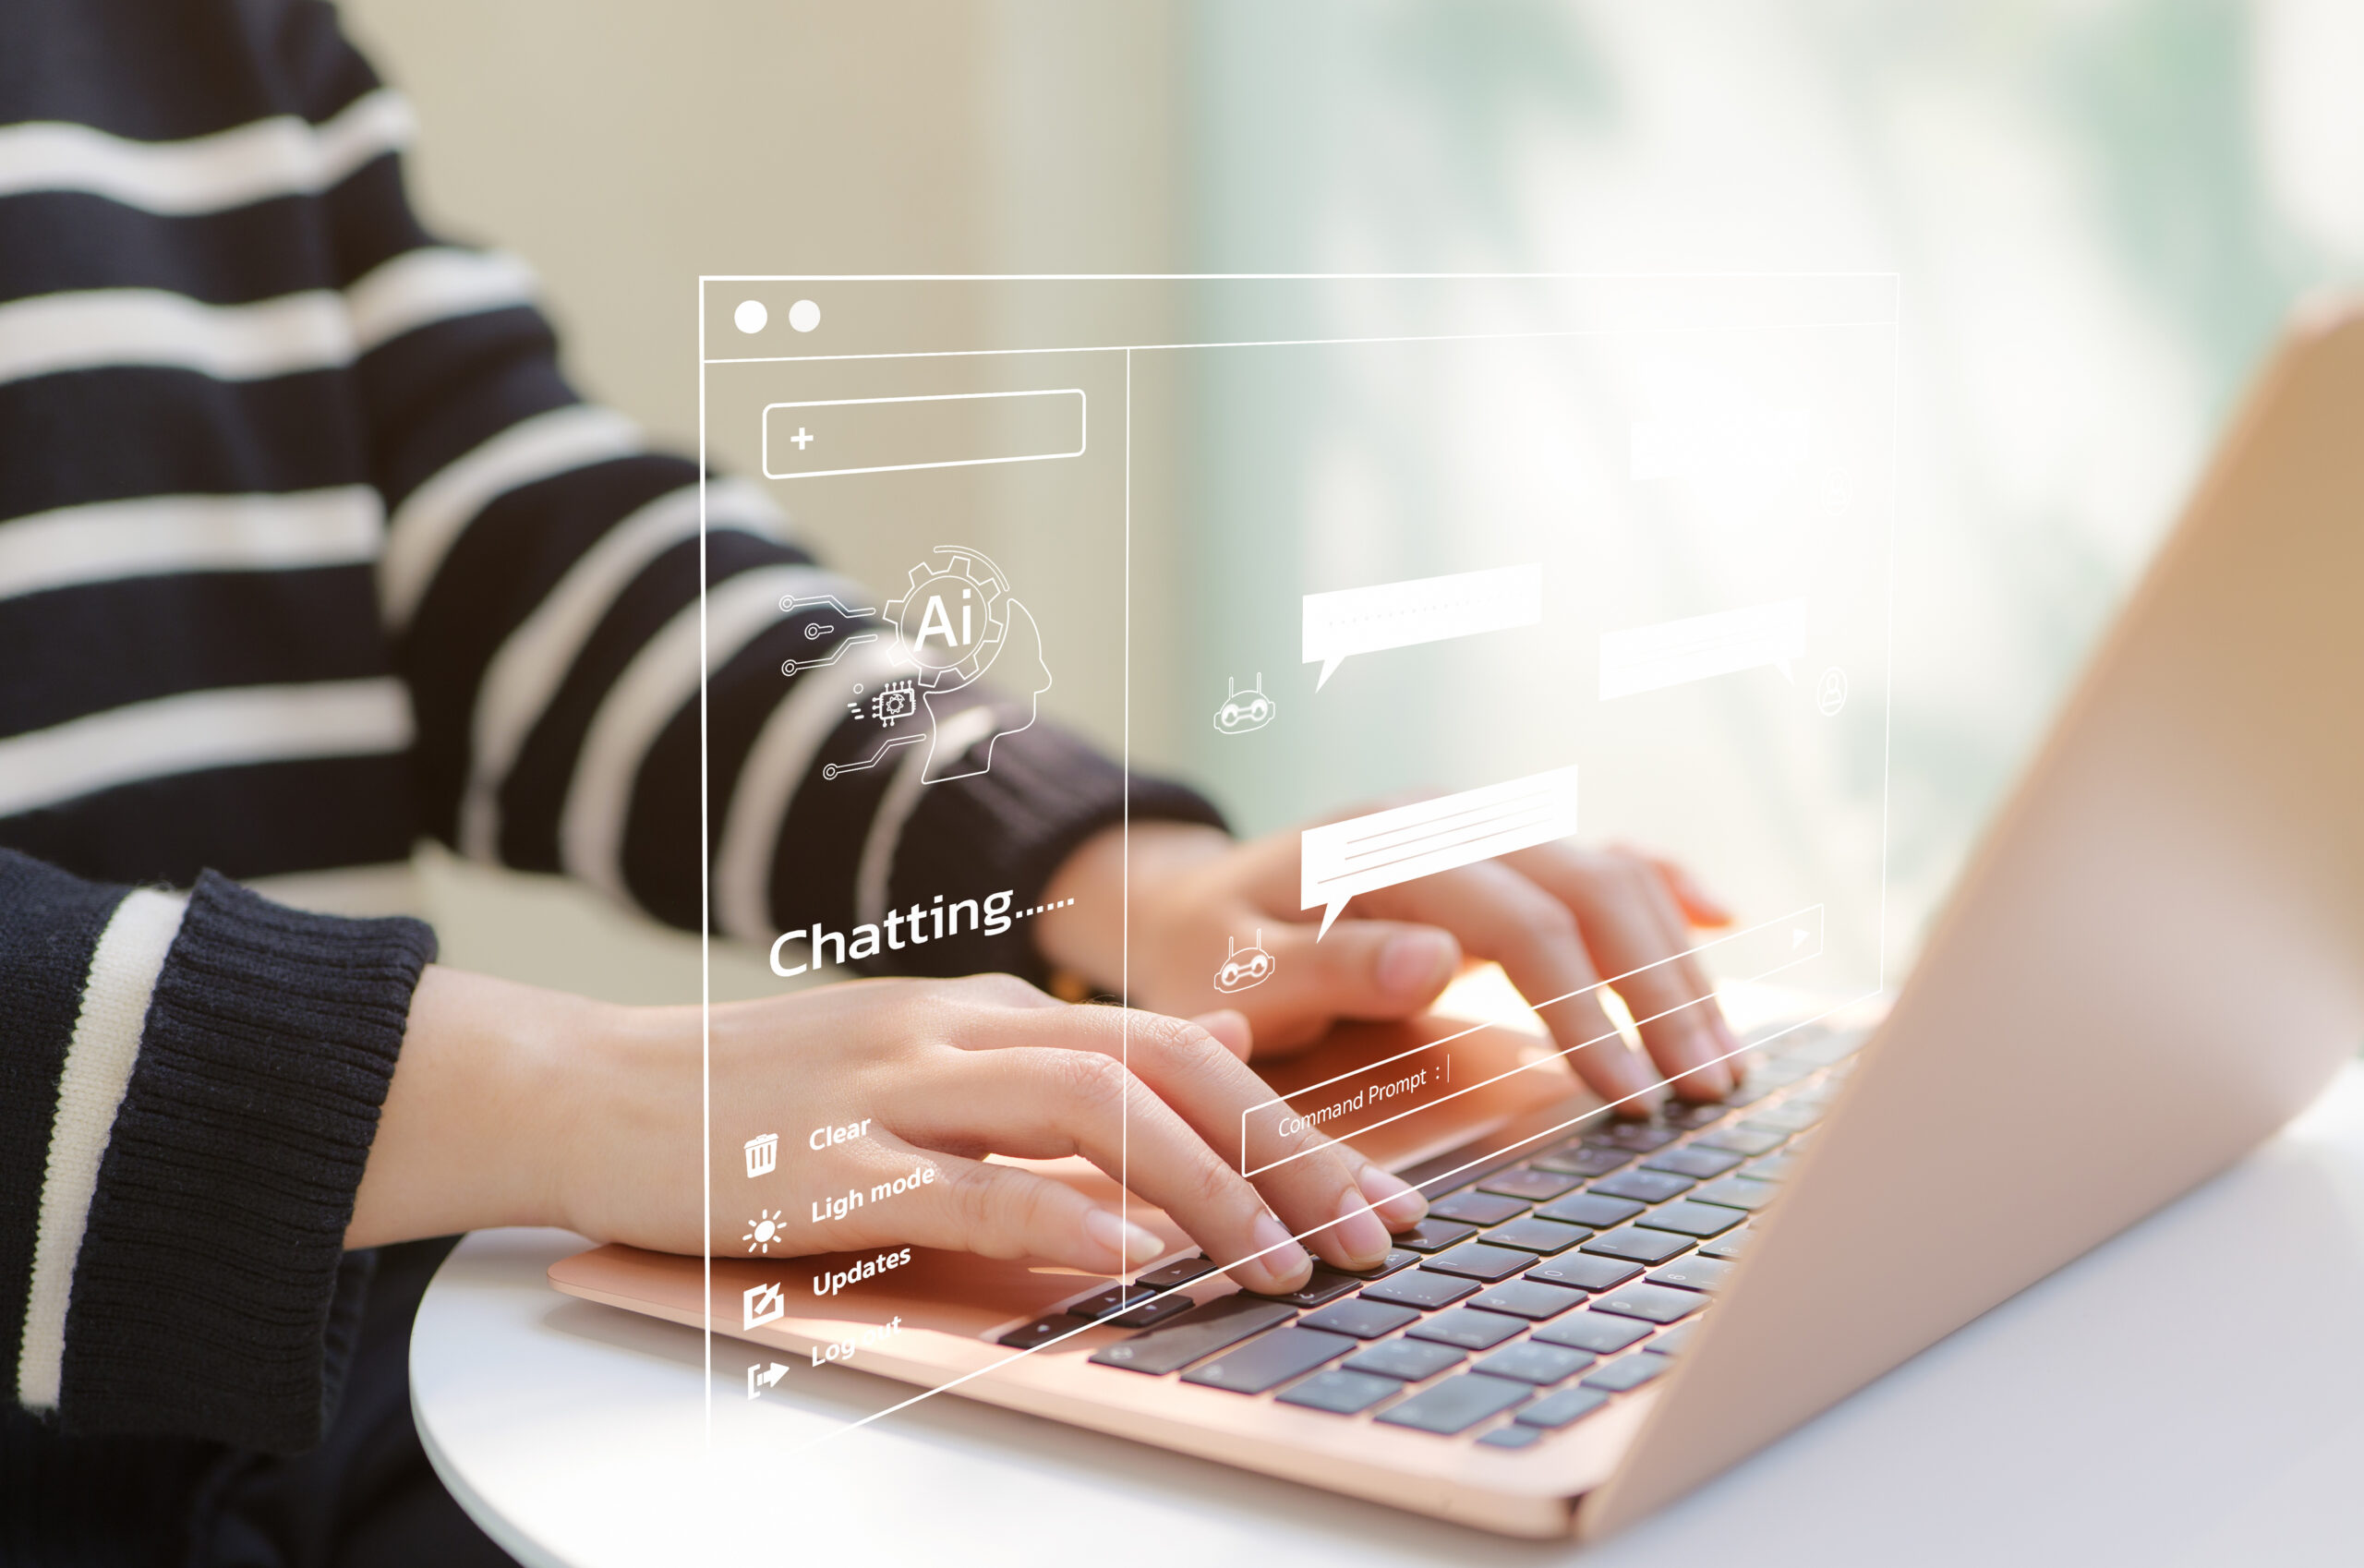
(192, 1084)
(540, 589)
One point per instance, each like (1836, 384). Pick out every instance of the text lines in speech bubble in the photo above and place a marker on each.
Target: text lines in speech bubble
(1674, 652)
(1425, 610)
(1339, 859)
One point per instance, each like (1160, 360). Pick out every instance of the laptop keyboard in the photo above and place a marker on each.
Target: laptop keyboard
(1534, 1296)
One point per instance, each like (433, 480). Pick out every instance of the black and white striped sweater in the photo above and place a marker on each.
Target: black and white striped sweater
(307, 550)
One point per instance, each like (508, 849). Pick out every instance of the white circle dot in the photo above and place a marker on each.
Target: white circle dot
(804, 315)
(750, 316)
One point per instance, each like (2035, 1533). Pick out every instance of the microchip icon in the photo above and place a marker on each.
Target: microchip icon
(894, 702)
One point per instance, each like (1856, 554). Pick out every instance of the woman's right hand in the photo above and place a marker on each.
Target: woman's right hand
(592, 1117)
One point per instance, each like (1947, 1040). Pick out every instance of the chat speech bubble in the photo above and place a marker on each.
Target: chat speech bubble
(1673, 652)
(1339, 859)
(1426, 610)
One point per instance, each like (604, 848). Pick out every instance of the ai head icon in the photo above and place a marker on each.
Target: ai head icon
(1246, 967)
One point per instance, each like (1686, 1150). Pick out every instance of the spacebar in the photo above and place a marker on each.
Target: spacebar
(1201, 1331)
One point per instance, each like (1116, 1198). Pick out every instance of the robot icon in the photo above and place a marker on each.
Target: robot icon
(1246, 967)
(1244, 711)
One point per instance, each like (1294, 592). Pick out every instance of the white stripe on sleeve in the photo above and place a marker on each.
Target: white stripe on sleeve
(223, 727)
(955, 735)
(280, 156)
(152, 535)
(777, 766)
(433, 283)
(661, 679)
(94, 328)
(431, 518)
(525, 674)
(124, 967)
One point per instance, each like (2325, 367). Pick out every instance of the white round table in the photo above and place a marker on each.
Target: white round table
(2191, 1392)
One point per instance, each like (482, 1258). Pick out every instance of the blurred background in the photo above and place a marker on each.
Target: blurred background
(2098, 212)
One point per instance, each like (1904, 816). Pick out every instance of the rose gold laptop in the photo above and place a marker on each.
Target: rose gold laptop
(2166, 920)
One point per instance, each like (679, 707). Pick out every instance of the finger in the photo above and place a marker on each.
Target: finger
(1229, 1026)
(1699, 906)
(1499, 915)
(897, 1193)
(1045, 1102)
(1323, 1193)
(1363, 968)
(1332, 1199)
(1639, 938)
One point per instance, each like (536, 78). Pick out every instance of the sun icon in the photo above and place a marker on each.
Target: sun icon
(766, 1229)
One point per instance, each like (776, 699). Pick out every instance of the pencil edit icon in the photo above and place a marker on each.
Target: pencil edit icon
(761, 1304)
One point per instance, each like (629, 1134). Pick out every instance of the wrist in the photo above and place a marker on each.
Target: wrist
(481, 1121)
(1086, 937)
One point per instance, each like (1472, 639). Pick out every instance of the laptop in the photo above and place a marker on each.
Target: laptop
(2155, 959)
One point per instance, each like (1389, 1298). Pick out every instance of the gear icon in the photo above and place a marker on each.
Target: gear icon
(951, 621)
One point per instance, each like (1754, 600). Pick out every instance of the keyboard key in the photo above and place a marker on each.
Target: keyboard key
(1419, 1288)
(1541, 1237)
(1405, 1361)
(1640, 1137)
(1434, 1236)
(1581, 1160)
(1624, 1373)
(1042, 1331)
(1564, 1408)
(1108, 1303)
(1642, 1186)
(1590, 1210)
(1692, 1160)
(1687, 1218)
(1470, 1331)
(1742, 1140)
(1270, 1361)
(1773, 1167)
(1651, 1303)
(1364, 1320)
(1526, 1182)
(1148, 1316)
(1201, 1331)
(1182, 1270)
(1394, 1262)
(1591, 1331)
(1688, 1117)
(1728, 1246)
(1476, 1262)
(1528, 1362)
(1739, 1192)
(1339, 1392)
(1512, 1436)
(1584, 1271)
(1785, 1117)
(1456, 1405)
(1670, 1342)
(1530, 1299)
(1638, 1246)
(1476, 1207)
(1326, 1284)
(1693, 1273)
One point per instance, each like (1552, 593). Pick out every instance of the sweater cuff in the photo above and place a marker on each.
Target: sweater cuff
(211, 1277)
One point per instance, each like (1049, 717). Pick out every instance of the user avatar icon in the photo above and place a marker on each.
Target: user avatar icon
(1244, 711)
(1246, 967)
(1831, 693)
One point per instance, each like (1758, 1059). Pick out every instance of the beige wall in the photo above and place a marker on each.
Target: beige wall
(624, 149)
